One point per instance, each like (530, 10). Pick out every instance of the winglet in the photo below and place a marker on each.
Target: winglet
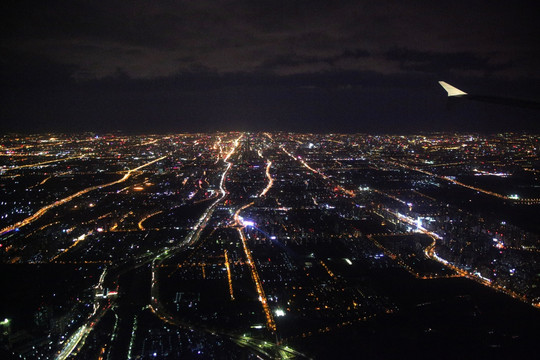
(452, 91)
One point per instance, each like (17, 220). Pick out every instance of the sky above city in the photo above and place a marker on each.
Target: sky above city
(323, 66)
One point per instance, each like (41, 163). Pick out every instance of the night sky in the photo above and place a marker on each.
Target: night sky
(322, 66)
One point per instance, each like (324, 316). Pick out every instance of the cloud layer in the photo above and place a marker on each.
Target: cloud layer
(147, 39)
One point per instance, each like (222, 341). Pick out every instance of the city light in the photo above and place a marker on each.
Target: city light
(247, 222)
(201, 214)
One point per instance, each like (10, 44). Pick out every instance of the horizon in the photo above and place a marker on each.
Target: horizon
(122, 132)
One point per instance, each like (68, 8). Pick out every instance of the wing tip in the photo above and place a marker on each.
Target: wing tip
(451, 90)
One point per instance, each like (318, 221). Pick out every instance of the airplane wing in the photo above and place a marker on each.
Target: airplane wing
(451, 90)
(455, 93)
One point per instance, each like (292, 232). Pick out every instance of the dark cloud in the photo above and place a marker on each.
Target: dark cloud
(444, 63)
(296, 64)
(146, 38)
(297, 61)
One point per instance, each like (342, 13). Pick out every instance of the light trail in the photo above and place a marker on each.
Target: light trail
(402, 263)
(487, 173)
(236, 215)
(45, 180)
(75, 243)
(459, 183)
(139, 224)
(229, 277)
(229, 154)
(306, 165)
(253, 269)
(431, 254)
(72, 343)
(201, 224)
(257, 346)
(41, 163)
(332, 275)
(389, 196)
(149, 142)
(57, 203)
(79, 336)
(270, 323)
(270, 180)
(191, 238)
(218, 145)
(41, 228)
(315, 171)
(42, 182)
(132, 339)
(115, 226)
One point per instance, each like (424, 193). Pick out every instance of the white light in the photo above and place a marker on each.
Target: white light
(279, 312)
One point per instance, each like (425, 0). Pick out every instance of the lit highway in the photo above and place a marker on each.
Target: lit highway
(337, 187)
(529, 201)
(270, 180)
(229, 278)
(42, 163)
(265, 349)
(57, 203)
(140, 223)
(431, 253)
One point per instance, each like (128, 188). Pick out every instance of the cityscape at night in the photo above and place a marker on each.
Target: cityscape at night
(269, 245)
(269, 179)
